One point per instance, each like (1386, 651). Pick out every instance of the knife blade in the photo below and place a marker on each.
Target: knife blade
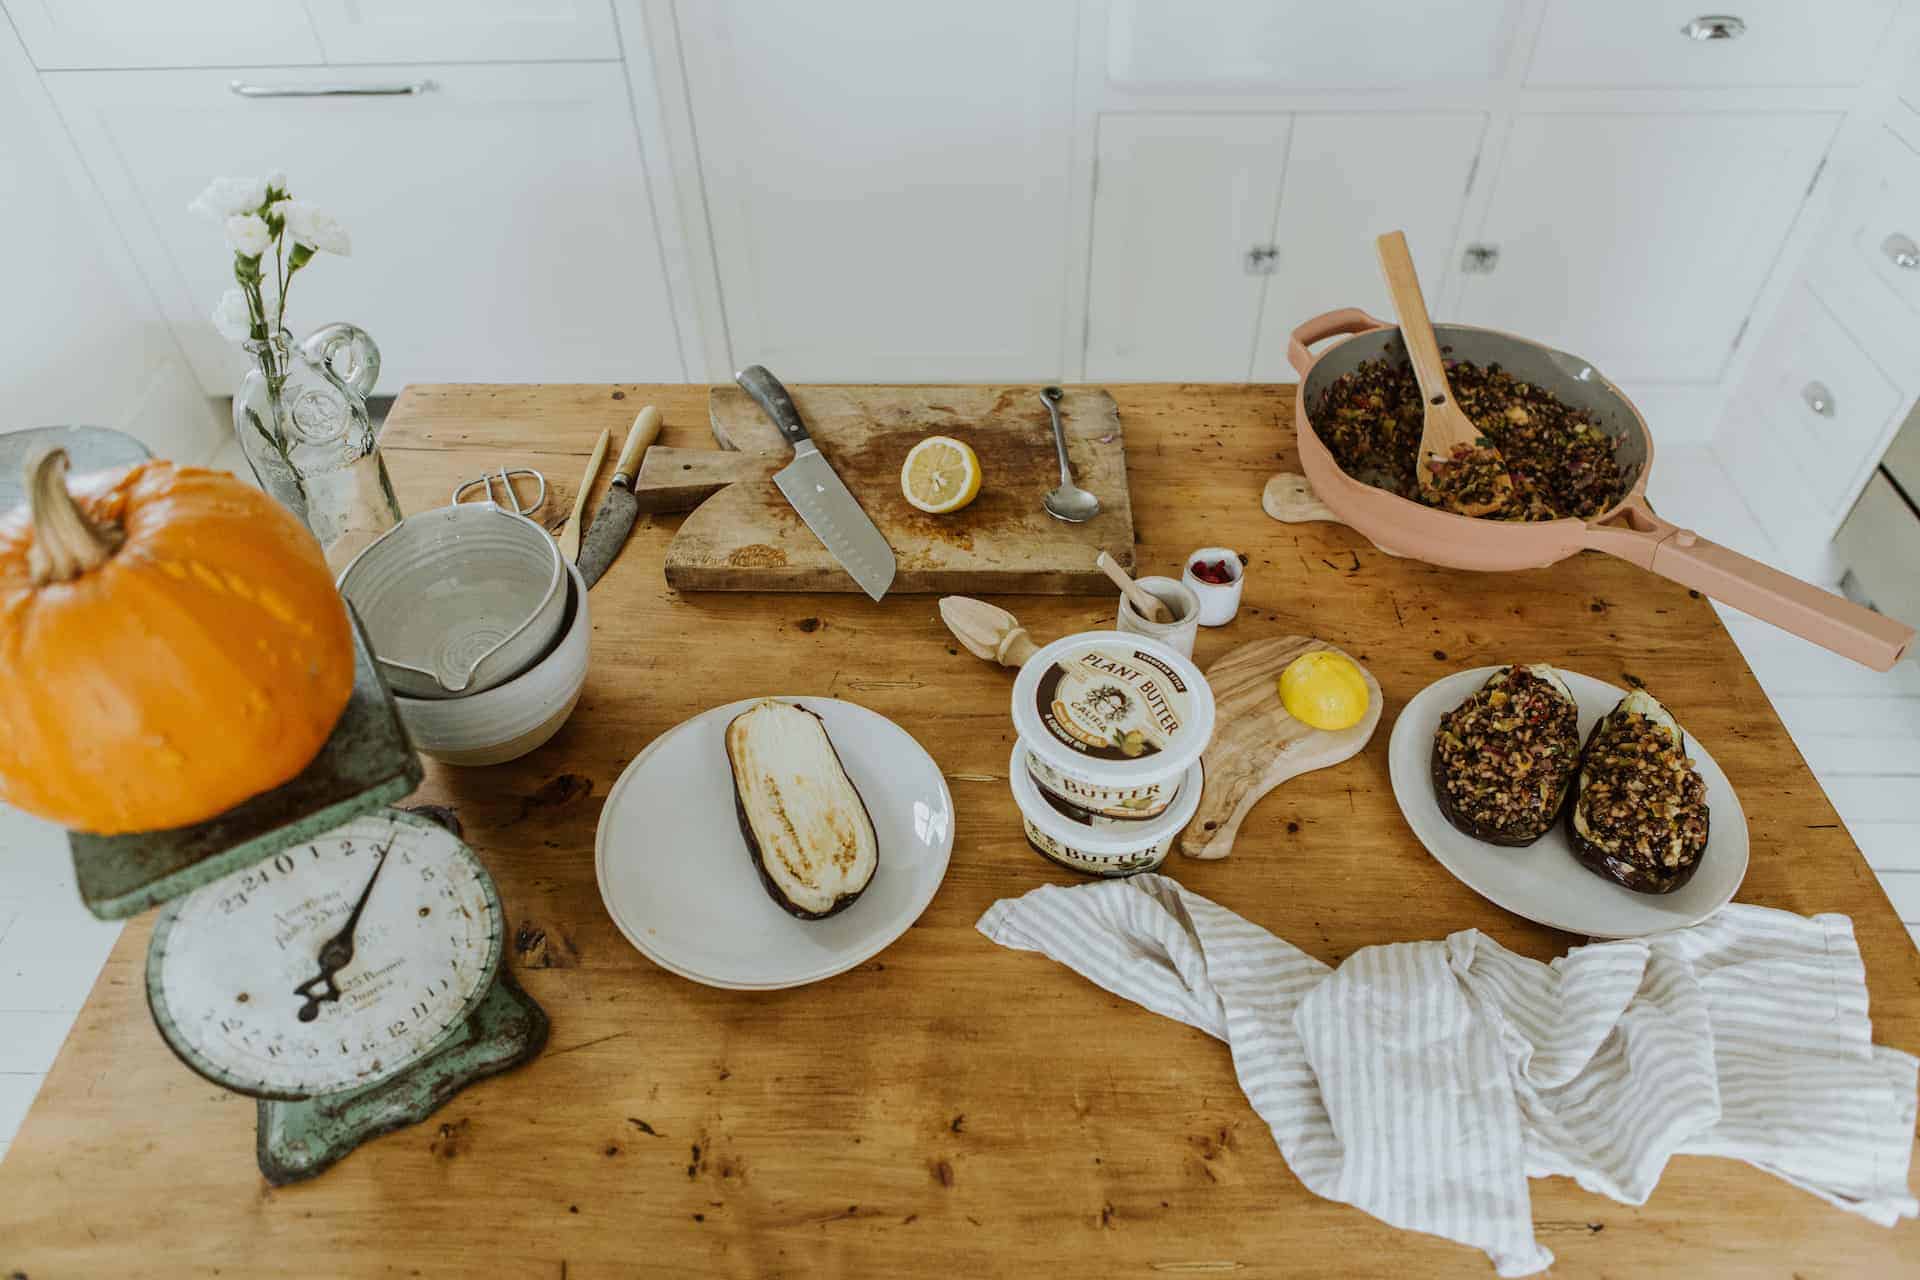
(818, 494)
(619, 509)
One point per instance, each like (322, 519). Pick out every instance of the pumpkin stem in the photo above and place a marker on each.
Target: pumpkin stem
(65, 543)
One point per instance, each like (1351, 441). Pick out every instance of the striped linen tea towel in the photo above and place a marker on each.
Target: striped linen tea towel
(1425, 1082)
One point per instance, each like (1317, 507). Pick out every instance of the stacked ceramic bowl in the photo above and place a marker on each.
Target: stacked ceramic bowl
(1106, 768)
(479, 626)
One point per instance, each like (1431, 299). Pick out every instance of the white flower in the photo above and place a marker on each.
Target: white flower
(311, 227)
(231, 317)
(227, 196)
(277, 180)
(248, 234)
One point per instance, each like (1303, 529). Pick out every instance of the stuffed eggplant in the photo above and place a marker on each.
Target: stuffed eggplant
(1639, 817)
(1504, 759)
(806, 827)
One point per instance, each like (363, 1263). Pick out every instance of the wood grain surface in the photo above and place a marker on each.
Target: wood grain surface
(745, 536)
(949, 1108)
(1256, 745)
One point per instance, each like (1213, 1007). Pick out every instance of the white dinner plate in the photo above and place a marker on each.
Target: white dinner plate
(676, 877)
(1544, 881)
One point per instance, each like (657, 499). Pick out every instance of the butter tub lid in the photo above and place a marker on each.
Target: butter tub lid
(1117, 708)
(1101, 835)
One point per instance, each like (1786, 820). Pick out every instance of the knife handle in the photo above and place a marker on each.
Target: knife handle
(766, 391)
(645, 430)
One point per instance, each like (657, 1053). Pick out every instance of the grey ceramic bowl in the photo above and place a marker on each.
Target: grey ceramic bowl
(458, 599)
(507, 721)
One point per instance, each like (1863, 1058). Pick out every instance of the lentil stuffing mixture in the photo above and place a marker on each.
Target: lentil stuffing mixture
(1641, 791)
(1503, 758)
(1561, 461)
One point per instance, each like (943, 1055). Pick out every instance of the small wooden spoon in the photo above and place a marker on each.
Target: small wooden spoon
(1151, 607)
(1448, 434)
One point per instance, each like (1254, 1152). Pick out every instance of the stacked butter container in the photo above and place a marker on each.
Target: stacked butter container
(1106, 768)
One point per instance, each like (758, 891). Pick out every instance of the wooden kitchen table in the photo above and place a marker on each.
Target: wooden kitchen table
(948, 1108)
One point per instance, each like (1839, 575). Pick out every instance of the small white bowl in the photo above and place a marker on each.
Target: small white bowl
(458, 599)
(1182, 603)
(1219, 602)
(509, 720)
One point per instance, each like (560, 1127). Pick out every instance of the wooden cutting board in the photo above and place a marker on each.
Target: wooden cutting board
(743, 536)
(1256, 745)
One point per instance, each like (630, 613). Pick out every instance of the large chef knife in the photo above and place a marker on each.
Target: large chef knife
(818, 494)
(618, 510)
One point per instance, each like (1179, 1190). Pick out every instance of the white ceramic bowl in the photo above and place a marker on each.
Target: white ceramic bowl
(509, 720)
(1182, 603)
(1112, 721)
(1093, 845)
(1219, 601)
(458, 599)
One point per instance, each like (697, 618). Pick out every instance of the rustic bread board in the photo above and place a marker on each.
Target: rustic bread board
(742, 535)
(1256, 745)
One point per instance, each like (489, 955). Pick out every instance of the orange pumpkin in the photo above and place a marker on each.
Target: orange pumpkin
(170, 644)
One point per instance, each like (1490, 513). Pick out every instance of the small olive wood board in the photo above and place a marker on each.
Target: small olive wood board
(742, 534)
(1290, 499)
(1257, 745)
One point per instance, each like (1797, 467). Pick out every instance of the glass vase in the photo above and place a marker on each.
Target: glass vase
(301, 416)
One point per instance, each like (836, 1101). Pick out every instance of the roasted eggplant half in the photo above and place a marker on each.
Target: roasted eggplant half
(1504, 759)
(1639, 816)
(806, 827)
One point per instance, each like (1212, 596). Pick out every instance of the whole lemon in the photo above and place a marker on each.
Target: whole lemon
(1324, 689)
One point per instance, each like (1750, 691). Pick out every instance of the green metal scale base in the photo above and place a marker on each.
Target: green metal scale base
(297, 1140)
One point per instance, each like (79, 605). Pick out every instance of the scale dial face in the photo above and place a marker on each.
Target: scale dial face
(233, 965)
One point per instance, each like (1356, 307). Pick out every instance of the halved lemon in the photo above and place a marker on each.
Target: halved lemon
(1324, 689)
(941, 474)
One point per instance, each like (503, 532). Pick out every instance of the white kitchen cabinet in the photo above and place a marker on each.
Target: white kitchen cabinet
(1215, 235)
(1351, 177)
(1657, 44)
(501, 221)
(1183, 209)
(1640, 240)
(887, 184)
(1157, 45)
(464, 30)
(164, 33)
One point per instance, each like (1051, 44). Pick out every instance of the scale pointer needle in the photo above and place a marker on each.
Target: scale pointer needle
(336, 953)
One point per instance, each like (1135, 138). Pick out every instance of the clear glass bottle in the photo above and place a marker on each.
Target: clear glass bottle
(301, 416)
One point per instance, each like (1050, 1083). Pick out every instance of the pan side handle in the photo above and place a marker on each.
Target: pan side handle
(1833, 622)
(1329, 324)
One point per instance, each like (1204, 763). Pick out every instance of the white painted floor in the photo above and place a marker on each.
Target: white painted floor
(1860, 732)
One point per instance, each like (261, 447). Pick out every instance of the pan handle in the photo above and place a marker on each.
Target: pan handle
(1833, 622)
(1326, 325)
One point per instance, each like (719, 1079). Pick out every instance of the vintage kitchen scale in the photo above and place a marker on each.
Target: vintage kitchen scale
(337, 959)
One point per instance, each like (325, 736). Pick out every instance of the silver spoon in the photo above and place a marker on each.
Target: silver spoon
(1069, 502)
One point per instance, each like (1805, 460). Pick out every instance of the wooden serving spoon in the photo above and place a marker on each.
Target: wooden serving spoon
(1448, 435)
(1151, 607)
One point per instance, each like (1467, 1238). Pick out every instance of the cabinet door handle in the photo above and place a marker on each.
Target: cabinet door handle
(1714, 26)
(1902, 251)
(408, 89)
(1818, 398)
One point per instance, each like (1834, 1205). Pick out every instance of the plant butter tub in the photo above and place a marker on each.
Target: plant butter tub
(1093, 845)
(1111, 722)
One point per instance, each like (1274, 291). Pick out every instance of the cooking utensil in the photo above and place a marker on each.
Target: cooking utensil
(987, 631)
(819, 495)
(676, 880)
(458, 599)
(1629, 529)
(1447, 435)
(570, 536)
(1150, 606)
(1181, 604)
(618, 510)
(507, 498)
(1256, 745)
(1069, 502)
(511, 719)
(743, 535)
(1544, 881)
